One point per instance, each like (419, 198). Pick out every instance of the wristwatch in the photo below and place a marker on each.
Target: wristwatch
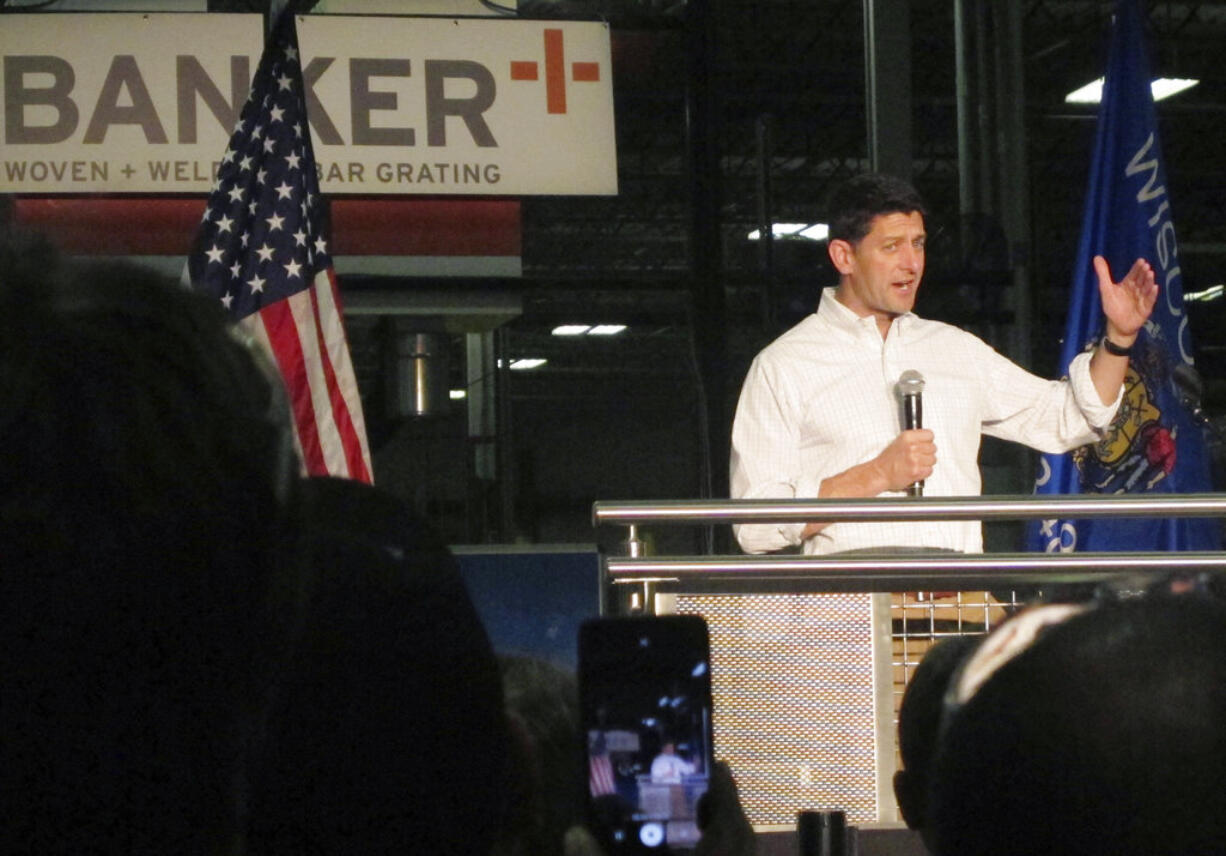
(1114, 349)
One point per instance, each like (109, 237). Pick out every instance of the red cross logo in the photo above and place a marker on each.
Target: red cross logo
(555, 71)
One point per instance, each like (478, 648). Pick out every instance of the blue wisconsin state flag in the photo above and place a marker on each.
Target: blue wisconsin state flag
(1153, 445)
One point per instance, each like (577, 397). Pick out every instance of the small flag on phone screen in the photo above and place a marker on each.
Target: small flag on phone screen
(600, 776)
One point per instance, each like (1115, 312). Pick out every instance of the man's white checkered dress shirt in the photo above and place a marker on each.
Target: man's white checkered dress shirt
(821, 398)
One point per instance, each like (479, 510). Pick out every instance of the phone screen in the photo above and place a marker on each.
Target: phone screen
(645, 697)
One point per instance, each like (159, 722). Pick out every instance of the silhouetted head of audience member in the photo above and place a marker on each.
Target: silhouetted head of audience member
(1089, 729)
(919, 720)
(146, 458)
(138, 426)
(546, 785)
(386, 731)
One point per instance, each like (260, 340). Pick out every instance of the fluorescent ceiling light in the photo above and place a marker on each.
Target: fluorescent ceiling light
(1091, 93)
(457, 394)
(1165, 87)
(527, 363)
(1213, 292)
(1161, 87)
(810, 231)
(590, 330)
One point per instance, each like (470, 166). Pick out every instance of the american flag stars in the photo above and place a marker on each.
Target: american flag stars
(260, 240)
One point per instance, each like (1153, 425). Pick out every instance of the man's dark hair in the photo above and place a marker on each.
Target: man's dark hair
(1105, 736)
(855, 203)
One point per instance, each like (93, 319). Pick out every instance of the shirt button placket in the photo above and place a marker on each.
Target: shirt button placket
(891, 359)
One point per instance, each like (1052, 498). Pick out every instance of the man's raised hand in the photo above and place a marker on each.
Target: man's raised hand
(1127, 303)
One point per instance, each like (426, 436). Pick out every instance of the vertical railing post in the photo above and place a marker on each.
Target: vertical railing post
(639, 598)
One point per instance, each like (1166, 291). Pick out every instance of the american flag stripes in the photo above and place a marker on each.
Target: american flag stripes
(261, 251)
(600, 776)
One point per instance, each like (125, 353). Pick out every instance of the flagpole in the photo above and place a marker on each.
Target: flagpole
(275, 8)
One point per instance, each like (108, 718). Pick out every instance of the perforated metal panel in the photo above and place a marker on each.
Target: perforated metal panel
(807, 689)
(796, 701)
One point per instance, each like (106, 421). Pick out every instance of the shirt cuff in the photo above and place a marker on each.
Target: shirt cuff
(772, 537)
(806, 488)
(757, 538)
(1097, 414)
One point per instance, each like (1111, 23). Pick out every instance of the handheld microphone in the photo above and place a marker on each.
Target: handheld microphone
(911, 388)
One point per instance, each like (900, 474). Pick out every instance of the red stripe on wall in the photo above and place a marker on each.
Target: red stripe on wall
(115, 226)
(161, 226)
(434, 227)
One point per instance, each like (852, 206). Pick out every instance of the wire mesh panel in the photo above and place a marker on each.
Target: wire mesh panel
(795, 701)
(921, 619)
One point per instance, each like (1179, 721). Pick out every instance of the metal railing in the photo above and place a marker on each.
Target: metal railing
(901, 570)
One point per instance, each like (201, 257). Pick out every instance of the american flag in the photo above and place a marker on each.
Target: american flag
(261, 251)
(600, 776)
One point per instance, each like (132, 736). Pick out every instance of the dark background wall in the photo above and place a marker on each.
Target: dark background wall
(785, 84)
(731, 112)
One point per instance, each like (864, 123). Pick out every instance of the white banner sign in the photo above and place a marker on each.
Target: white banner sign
(146, 103)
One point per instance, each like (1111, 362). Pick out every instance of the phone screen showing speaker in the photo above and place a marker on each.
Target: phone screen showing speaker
(645, 695)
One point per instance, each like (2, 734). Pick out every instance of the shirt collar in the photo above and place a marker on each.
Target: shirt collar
(833, 312)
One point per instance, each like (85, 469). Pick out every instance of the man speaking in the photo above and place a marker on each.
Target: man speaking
(833, 407)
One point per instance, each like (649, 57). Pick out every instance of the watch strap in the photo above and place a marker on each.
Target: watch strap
(1114, 349)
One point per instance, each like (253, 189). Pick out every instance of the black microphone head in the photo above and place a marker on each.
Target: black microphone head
(910, 382)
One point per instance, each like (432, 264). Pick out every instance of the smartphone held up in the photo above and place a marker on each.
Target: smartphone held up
(645, 699)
